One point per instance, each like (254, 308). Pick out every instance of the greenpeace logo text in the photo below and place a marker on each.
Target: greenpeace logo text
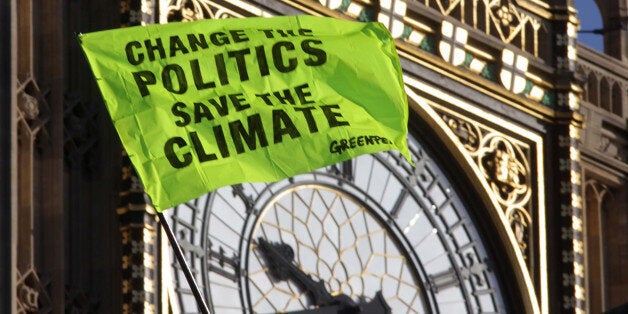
(339, 146)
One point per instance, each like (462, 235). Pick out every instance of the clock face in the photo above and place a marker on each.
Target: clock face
(370, 233)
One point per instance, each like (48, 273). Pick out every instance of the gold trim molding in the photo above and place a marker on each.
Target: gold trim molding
(500, 165)
(503, 162)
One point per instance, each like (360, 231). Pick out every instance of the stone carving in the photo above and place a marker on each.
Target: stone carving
(519, 221)
(502, 19)
(191, 10)
(29, 106)
(468, 133)
(504, 165)
(31, 295)
(504, 169)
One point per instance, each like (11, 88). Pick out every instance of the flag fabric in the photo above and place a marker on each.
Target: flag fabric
(205, 104)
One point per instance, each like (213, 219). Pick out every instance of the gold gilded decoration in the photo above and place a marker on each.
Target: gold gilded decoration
(33, 112)
(505, 167)
(391, 13)
(569, 302)
(468, 133)
(498, 18)
(519, 222)
(505, 16)
(578, 269)
(129, 15)
(191, 10)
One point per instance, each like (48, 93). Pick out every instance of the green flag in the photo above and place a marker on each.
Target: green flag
(212, 103)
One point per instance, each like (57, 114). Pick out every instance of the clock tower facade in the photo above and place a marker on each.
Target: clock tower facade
(517, 202)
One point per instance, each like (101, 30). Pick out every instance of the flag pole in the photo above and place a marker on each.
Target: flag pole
(200, 301)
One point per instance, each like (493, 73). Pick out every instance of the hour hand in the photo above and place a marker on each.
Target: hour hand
(279, 259)
(377, 305)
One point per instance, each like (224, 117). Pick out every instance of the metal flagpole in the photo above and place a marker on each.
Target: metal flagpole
(200, 301)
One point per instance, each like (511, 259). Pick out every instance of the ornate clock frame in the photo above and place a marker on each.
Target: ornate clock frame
(504, 160)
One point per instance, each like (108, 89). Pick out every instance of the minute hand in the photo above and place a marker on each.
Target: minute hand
(279, 258)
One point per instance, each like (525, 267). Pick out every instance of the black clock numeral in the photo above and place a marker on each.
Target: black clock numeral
(399, 203)
(176, 221)
(432, 184)
(451, 229)
(420, 171)
(483, 292)
(450, 278)
(218, 262)
(221, 271)
(443, 280)
(466, 247)
(343, 169)
(238, 190)
(475, 270)
(347, 169)
(188, 248)
(446, 203)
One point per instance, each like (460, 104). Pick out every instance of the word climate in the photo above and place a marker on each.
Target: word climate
(252, 131)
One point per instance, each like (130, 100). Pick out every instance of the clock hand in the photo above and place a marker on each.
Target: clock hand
(279, 258)
(377, 305)
(331, 309)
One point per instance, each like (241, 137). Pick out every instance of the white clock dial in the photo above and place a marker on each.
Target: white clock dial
(372, 231)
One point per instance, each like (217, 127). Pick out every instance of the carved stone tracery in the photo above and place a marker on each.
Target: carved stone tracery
(504, 164)
(33, 116)
(506, 170)
(503, 19)
(191, 10)
(31, 293)
(33, 112)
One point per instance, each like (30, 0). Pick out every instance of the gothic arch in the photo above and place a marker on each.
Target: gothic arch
(605, 94)
(582, 74)
(617, 102)
(435, 128)
(592, 88)
(593, 194)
